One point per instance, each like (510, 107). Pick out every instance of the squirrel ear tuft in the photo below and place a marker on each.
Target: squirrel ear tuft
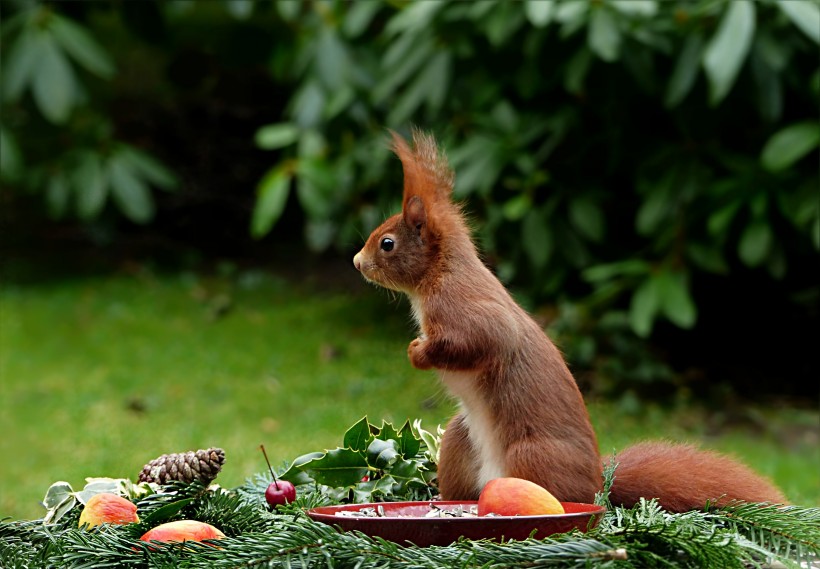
(415, 217)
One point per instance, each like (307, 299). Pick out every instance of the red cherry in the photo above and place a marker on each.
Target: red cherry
(280, 492)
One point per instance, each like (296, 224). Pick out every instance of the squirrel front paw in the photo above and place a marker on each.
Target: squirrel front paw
(416, 353)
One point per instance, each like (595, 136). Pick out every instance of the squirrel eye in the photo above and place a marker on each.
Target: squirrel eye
(387, 244)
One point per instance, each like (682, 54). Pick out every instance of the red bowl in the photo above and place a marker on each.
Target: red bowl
(406, 522)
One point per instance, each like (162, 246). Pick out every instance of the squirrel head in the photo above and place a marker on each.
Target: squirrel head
(411, 246)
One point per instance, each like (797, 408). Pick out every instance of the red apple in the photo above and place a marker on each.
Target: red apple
(280, 492)
(182, 530)
(517, 497)
(108, 508)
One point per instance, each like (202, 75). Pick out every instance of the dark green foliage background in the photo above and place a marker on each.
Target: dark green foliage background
(647, 167)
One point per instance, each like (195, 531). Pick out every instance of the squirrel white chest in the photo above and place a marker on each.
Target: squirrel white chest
(482, 429)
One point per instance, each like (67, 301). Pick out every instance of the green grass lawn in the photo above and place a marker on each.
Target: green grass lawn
(102, 374)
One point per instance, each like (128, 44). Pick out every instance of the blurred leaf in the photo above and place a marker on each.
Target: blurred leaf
(642, 8)
(674, 298)
(478, 164)
(539, 12)
(289, 11)
(686, 70)
(755, 243)
(240, 9)
(402, 60)
(358, 17)
(439, 70)
(315, 185)
(644, 307)
(90, 185)
(586, 216)
(604, 37)
(332, 60)
(320, 234)
(653, 211)
(504, 118)
(22, 62)
(57, 196)
(719, 221)
(312, 144)
(415, 16)
(607, 271)
(430, 85)
(11, 161)
(506, 19)
(271, 197)
(815, 233)
(129, 191)
(789, 145)
(769, 92)
(149, 168)
(516, 207)
(308, 104)
(804, 14)
(74, 39)
(274, 136)
(536, 238)
(577, 70)
(707, 257)
(572, 16)
(728, 48)
(54, 86)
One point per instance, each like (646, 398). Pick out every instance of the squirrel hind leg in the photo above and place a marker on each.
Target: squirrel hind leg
(458, 465)
(683, 478)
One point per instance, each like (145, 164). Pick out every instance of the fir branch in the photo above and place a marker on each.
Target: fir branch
(787, 533)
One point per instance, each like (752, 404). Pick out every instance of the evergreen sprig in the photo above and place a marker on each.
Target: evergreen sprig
(739, 535)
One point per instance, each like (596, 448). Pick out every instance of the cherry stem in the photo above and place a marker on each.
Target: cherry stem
(269, 466)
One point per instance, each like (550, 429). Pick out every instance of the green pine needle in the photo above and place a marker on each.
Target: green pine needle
(738, 536)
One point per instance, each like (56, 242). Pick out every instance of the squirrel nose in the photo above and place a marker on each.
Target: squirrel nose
(357, 261)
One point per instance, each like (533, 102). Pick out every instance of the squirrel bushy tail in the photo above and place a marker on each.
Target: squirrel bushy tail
(683, 477)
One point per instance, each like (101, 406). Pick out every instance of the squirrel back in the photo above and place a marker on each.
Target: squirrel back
(521, 413)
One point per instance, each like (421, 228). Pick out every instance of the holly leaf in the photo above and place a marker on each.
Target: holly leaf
(358, 437)
(165, 512)
(382, 454)
(295, 474)
(406, 474)
(387, 432)
(365, 492)
(339, 467)
(409, 443)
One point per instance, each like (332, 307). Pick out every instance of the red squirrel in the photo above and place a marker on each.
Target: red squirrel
(521, 413)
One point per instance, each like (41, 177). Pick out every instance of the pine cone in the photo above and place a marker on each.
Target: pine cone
(202, 465)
